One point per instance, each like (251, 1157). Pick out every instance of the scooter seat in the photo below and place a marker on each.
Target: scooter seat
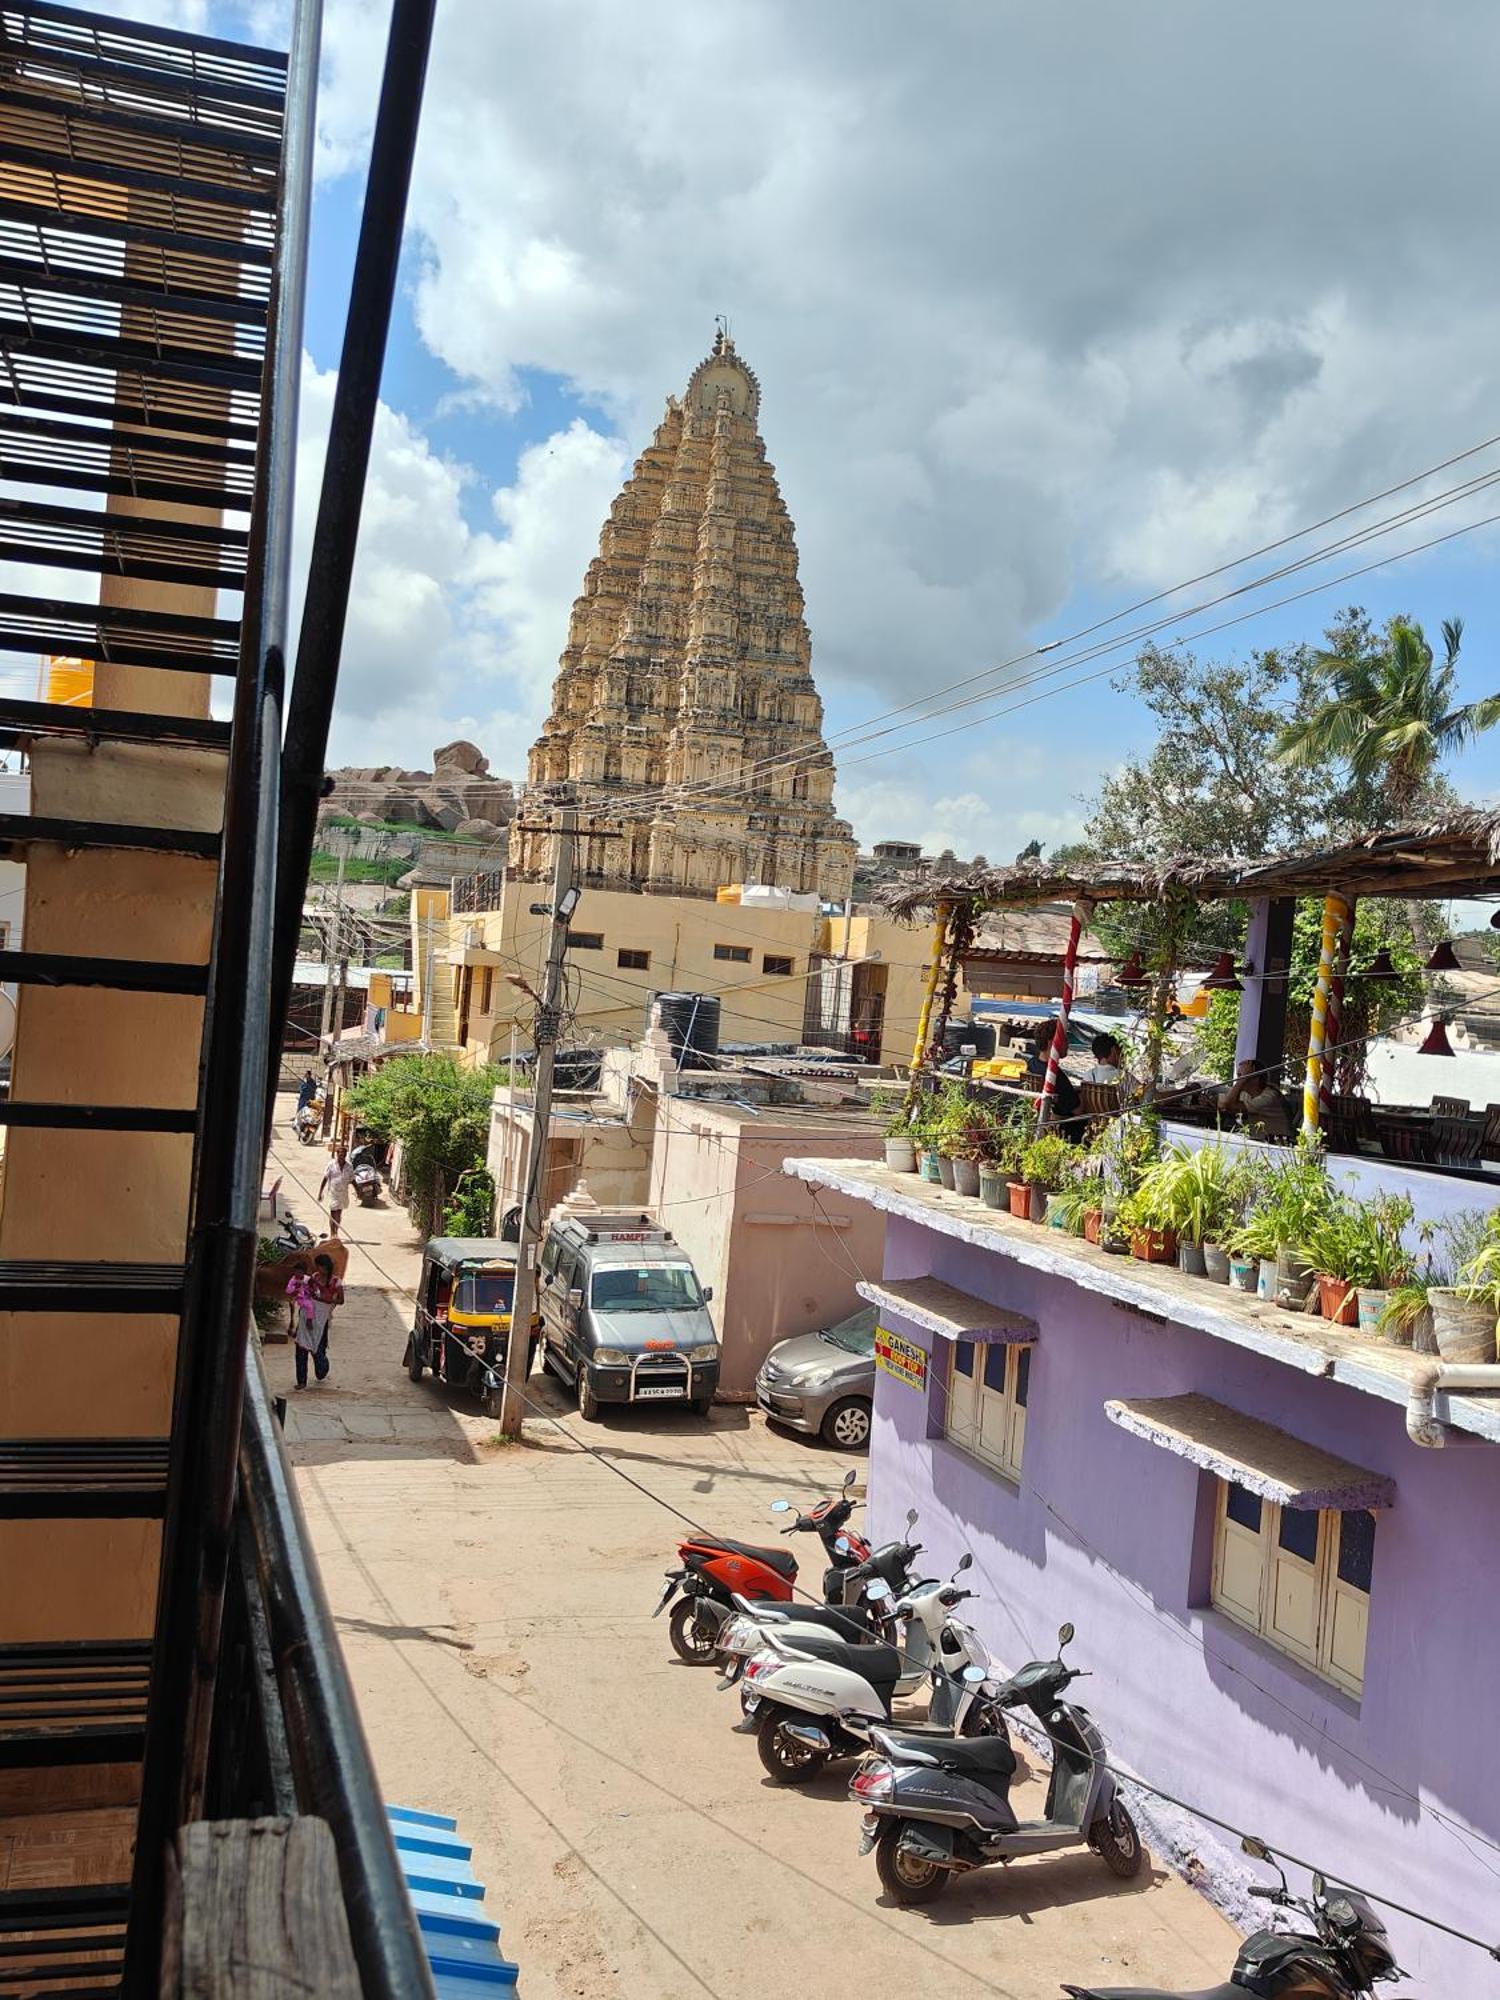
(781, 1560)
(879, 1665)
(851, 1624)
(1228, 1991)
(978, 1756)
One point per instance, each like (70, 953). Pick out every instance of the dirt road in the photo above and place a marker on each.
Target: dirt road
(494, 1604)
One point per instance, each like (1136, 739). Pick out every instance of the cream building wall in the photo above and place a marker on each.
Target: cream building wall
(689, 944)
(781, 1259)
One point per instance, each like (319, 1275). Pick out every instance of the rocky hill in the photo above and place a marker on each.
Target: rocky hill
(458, 795)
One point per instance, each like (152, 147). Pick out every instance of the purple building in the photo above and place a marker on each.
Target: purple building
(1289, 1602)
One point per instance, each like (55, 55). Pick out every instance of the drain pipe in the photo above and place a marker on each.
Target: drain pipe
(1422, 1423)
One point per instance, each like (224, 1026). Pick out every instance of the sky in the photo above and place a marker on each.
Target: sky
(1053, 309)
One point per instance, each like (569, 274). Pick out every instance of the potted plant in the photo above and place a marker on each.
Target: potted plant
(1125, 1150)
(1335, 1244)
(1001, 1146)
(1464, 1318)
(1045, 1165)
(1295, 1194)
(1388, 1264)
(1151, 1238)
(900, 1137)
(1069, 1207)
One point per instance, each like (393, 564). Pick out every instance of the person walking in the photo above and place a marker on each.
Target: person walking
(314, 1297)
(338, 1182)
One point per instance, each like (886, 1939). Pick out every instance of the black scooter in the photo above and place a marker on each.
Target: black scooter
(1340, 1958)
(936, 1810)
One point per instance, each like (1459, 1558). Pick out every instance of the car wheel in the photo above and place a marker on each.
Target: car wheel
(847, 1424)
(588, 1402)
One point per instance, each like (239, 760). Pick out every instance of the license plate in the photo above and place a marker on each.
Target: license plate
(642, 1394)
(750, 1703)
(733, 1668)
(661, 1602)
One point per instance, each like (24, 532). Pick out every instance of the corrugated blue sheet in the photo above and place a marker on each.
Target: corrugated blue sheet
(461, 1941)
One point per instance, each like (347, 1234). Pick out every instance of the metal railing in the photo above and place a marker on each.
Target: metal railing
(475, 893)
(274, 1718)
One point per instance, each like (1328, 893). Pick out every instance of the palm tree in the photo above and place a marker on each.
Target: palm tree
(1389, 716)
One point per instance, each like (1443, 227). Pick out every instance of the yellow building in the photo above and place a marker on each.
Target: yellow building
(781, 973)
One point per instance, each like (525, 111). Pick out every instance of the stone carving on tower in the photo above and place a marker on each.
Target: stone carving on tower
(684, 717)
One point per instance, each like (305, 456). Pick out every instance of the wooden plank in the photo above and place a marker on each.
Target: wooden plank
(256, 1911)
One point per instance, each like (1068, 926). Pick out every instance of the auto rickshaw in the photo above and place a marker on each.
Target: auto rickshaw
(461, 1327)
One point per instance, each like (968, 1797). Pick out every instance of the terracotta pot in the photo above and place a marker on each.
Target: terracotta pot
(1463, 1328)
(1020, 1200)
(1093, 1224)
(992, 1187)
(945, 1170)
(1190, 1260)
(966, 1177)
(1036, 1207)
(1338, 1301)
(901, 1156)
(1216, 1263)
(1153, 1246)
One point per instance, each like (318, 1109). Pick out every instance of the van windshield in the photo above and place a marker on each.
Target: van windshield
(484, 1292)
(649, 1288)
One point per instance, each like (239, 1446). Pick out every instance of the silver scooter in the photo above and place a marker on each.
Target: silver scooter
(939, 1809)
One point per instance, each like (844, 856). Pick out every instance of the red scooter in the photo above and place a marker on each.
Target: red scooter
(716, 1570)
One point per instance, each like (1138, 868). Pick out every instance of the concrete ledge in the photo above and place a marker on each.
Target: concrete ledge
(942, 1308)
(1302, 1341)
(1254, 1454)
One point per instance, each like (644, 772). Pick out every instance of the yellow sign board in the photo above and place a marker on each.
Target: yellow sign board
(901, 1358)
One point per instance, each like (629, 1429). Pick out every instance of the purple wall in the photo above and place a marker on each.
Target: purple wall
(1109, 1531)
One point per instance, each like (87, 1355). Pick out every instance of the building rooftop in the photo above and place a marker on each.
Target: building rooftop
(1313, 1346)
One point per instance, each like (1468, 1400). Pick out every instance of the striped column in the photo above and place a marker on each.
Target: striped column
(1335, 1009)
(1060, 1034)
(1335, 915)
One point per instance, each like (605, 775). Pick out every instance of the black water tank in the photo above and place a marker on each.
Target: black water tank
(692, 1024)
(978, 1035)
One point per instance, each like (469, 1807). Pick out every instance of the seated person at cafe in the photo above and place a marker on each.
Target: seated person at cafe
(1255, 1098)
(1109, 1061)
(1064, 1090)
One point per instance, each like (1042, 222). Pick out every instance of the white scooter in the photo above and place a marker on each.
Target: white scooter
(810, 1697)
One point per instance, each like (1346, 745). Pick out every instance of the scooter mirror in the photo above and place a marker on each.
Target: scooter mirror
(974, 1676)
(1064, 1636)
(877, 1592)
(843, 1545)
(849, 1478)
(1256, 1849)
(964, 1562)
(781, 1506)
(1319, 1887)
(911, 1517)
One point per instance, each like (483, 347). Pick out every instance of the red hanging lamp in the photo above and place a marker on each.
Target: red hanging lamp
(1380, 967)
(1132, 973)
(1437, 1043)
(1444, 958)
(1223, 978)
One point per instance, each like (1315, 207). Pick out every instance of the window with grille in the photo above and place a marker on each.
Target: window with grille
(737, 954)
(634, 961)
(989, 1385)
(585, 940)
(783, 966)
(1298, 1576)
(487, 991)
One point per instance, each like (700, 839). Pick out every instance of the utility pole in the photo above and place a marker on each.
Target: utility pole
(548, 1019)
(332, 1023)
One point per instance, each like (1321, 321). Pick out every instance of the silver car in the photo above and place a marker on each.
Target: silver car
(823, 1383)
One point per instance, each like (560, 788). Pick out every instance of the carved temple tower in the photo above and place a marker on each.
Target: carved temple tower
(684, 717)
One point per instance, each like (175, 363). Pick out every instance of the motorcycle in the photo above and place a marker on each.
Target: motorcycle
(366, 1176)
(811, 1698)
(936, 1810)
(1340, 1958)
(309, 1121)
(715, 1569)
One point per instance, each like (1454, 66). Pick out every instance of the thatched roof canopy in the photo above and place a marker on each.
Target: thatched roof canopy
(1456, 856)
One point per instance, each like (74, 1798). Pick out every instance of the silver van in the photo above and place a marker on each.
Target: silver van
(624, 1319)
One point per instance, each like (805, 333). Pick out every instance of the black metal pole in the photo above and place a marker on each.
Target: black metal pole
(336, 531)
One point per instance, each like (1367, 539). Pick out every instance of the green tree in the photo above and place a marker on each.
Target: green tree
(440, 1113)
(1387, 717)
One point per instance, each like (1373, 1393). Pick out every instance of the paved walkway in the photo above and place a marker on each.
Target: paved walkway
(494, 1603)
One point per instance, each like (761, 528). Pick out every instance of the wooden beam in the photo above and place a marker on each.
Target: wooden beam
(255, 1912)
